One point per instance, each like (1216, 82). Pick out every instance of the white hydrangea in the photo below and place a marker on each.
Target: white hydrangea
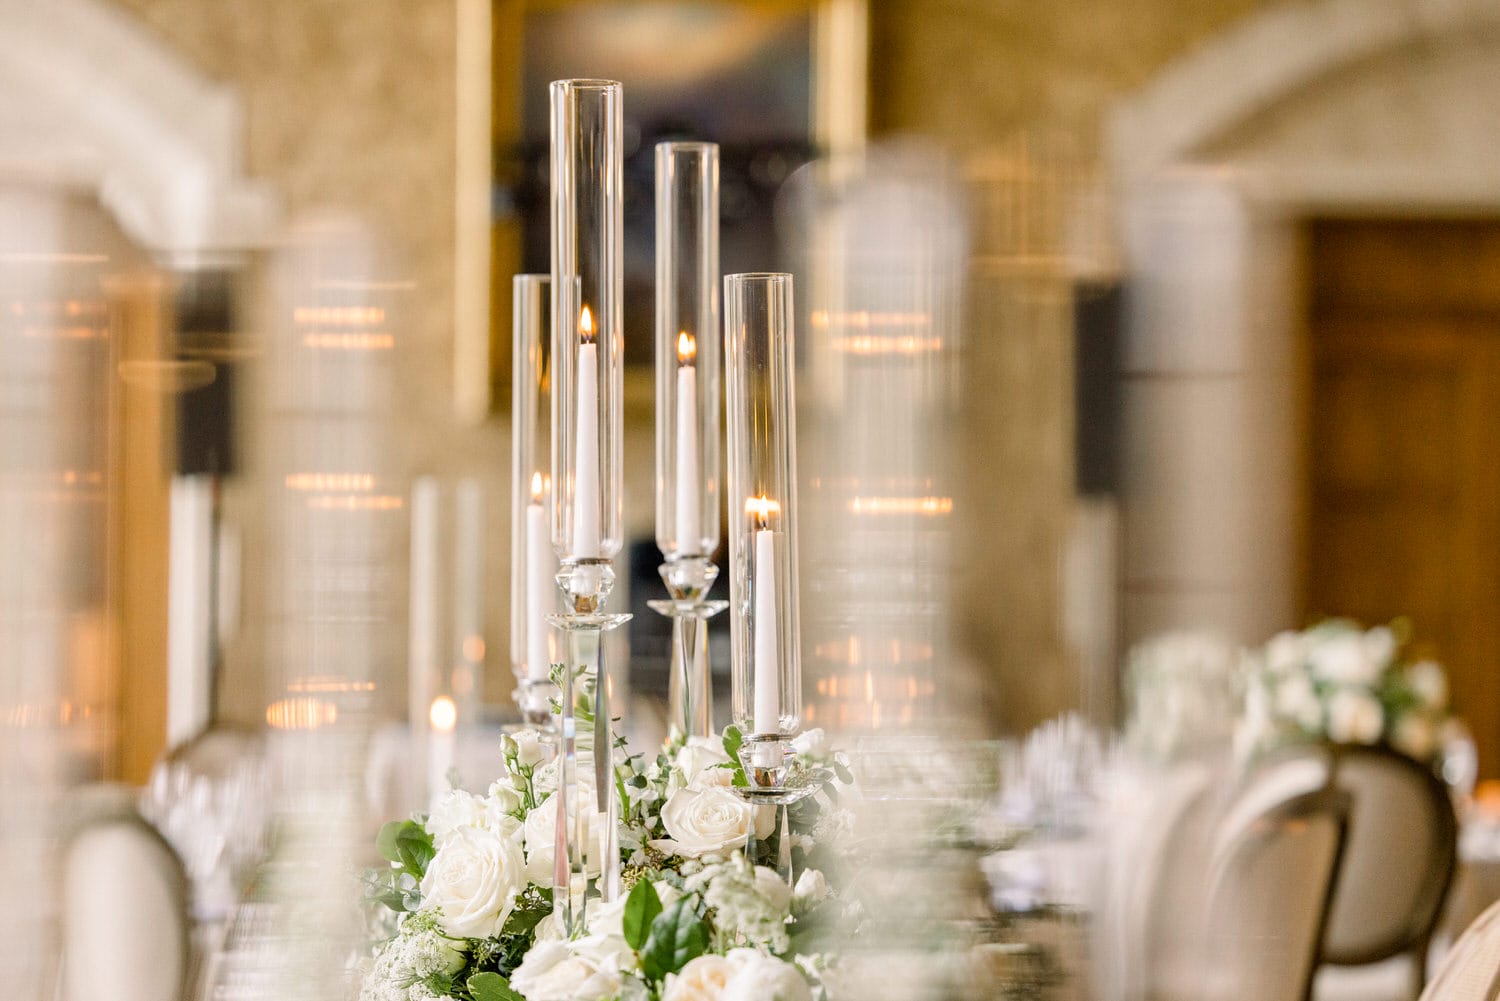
(750, 903)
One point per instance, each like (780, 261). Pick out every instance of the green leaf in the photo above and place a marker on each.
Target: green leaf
(843, 772)
(641, 909)
(732, 741)
(385, 841)
(406, 843)
(492, 987)
(678, 936)
(414, 846)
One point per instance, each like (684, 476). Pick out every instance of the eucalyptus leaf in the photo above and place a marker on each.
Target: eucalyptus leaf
(678, 936)
(489, 986)
(641, 909)
(386, 840)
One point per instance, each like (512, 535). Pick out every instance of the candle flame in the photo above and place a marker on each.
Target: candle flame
(536, 486)
(687, 348)
(586, 328)
(443, 715)
(761, 508)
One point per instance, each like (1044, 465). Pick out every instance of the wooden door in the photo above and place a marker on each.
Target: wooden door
(1404, 442)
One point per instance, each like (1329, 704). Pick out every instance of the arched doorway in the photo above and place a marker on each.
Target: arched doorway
(1242, 169)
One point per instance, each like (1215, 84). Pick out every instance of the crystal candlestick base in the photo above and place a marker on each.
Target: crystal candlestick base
(777, 778)
(585, 585)
(690, 693)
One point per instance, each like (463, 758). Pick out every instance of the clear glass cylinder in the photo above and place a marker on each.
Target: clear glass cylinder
(687, 348)
(587, 333)
(760, 349)
(533, 590)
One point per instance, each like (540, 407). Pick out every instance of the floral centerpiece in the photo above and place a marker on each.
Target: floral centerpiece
(1183, 695)
(1340, 682)
(466, 901)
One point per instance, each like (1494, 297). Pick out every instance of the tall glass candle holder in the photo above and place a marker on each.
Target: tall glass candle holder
(687, 417)
(587, 356)
(533, 585)
(758, 335)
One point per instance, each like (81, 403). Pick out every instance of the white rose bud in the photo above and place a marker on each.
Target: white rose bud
(811, 889)
(473, 880)
(504, 798)
(700, 821)
(699, 761)
(528, 748)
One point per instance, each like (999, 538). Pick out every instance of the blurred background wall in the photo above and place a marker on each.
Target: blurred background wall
(1045, 106)
(361, 111)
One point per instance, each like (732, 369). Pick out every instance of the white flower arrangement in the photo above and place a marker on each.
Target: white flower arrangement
(1339, 682)
(470, 883)
(1183, 695)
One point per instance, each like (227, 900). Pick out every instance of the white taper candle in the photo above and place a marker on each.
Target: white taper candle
(766, 632)
(540, 584)
(689, 522)
(586, 541)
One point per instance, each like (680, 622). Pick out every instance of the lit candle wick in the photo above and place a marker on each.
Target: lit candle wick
(687, 348)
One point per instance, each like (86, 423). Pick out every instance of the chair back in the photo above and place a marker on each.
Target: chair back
(1471, 971)
(1399, 861)
(125, 906)
(1270, 883)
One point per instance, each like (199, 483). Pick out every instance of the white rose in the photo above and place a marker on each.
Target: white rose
(812, 742)
(702, 979)
(758, 977)
(699, 755)
(811, 888)
(539, 835)
(552, 971)
(771, 886)
(1354, 717)
(1429, 682)
(457, 808)
(1343, 659)
(473, 881)
(1285, 652)
(1415, 735)
(700, 821)
(451, 810)
(544, 780)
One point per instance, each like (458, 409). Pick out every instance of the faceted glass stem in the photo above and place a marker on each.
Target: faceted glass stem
(586, 586)
(570, 871)
(690, 695)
